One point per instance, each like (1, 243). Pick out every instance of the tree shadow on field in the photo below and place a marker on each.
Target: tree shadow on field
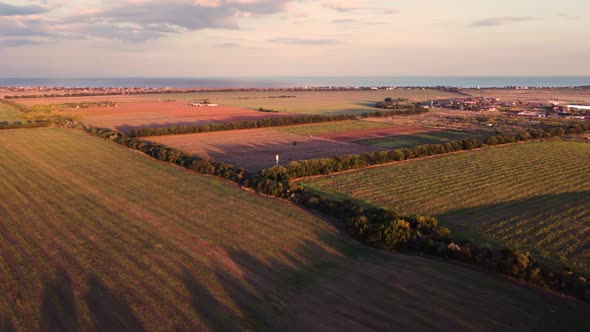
(535, 214)
(257, 289)
(213, 313)
(109, 311)
(366, 103)
(519, 208)
(58, 309)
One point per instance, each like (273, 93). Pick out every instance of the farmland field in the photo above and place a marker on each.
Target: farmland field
(255, 149)
(364, 134)
(533, 196)
(332, 127)
(431, 137)
(306, 102)
(155, 114)
(96, 237)
(581, 95)
(7, 113)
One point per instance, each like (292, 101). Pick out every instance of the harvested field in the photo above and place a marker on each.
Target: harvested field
(532, 196)
(255, 149)
(129, 116)
(96, 237)
(384, 132)
(333, 127)
(431, 137)
(306, 102)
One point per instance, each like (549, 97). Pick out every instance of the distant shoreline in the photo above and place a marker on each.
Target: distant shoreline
(15, 93)
(285, 83)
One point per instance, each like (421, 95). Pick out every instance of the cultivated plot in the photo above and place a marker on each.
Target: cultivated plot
(127, 116)
(256, 149)
(306, 102)
(430, 137)
(531, 196)
(333, 127)
(96, 237)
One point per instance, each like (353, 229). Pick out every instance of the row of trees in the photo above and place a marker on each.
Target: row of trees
(398, 104)
(401, 111)
(246, 124)
(24, 124)
(378, 227)
(265, 123)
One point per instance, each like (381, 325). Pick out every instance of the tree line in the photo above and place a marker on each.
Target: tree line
(265, 123)
(24, 124)
(377, 227)
(398, 104)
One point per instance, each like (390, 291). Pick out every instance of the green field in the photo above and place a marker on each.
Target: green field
(94, 236)
(8, 113)
(332, 127)
(433, 137)
(533, 196)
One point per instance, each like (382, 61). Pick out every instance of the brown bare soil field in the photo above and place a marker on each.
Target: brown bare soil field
(129, 116)
(255, 149)
(357, 135)
(94, 237)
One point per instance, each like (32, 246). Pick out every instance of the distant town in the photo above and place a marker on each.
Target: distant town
(552, 108)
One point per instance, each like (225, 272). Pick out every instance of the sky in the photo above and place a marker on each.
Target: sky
(265, 38)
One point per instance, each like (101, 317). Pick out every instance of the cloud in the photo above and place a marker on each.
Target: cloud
(19, 42)
(12, 10)
(18, 27)
(228, 45)
(150, 19)
(497, 21)
(344, 21)
(341, 5)
(133, 20)
(303, 41)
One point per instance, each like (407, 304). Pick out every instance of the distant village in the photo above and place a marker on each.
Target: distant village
(553, 108)
(31, 91)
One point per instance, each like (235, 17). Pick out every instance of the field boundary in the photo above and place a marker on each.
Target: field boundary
(266, 123)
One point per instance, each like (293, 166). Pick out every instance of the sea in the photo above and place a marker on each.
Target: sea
(287, 82)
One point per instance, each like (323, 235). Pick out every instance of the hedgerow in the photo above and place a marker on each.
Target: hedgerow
(24, 124)
(265, 123)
